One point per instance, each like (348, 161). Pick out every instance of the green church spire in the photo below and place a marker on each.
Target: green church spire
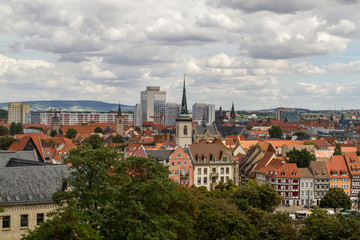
(184, 111)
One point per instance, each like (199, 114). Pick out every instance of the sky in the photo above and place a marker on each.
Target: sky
(257, 54)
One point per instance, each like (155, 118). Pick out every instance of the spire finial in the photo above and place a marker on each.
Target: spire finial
(119, 110)
(184, 110)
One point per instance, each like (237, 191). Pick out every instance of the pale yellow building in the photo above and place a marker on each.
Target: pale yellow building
(17, 112)
(26, 189)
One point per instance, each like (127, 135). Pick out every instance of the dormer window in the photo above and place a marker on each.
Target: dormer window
(283, 173)
(225, 159)
(179, 155)
(294, 173)
(343, 173)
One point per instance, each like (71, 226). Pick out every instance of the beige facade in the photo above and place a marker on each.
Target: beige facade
(183, 131)
(153, 103)
(17, 112)
(34, 213)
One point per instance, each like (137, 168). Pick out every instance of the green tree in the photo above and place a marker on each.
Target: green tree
(249, 127)
(310, 143)
(16, 128)
(219, 219)
(275, 132)
(302, 157)
(131, 198)
(337, 150)
(299, 133)
(95, 141)
(71, 133)
(53, 133)
(117, 139)
(98, 130)
(262, 196)
(6, 141)
(138, 129)
(320, 225)
(4, 131)
(336, 198)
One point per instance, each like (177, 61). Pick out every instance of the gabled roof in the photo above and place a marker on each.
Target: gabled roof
(30, 185)
(160, 155)
(337, 164)
(319, 169)
(353, 162)
(305, 173)
(5, 156)
(35, 143)
(284, 170)
(200, 129)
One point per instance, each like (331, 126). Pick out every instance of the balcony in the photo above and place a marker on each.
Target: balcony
(212, 174)
(186, 175)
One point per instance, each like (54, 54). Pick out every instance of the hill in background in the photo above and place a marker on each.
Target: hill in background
(73, 105)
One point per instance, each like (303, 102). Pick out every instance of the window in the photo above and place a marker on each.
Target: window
(199, 181)
(185, 130)
(225, 159)
(172, 173)
(227, 179)
(185, 162)
(24, 220)
(5, 222)
(199, 171)
(176, 172)
(179, 155)
(222, 170)
(345, 180)
(198, 159)
(205, 180)
(179, 163)
(39, 218)
(213, 170)
(227, 170)
(172, 163)
(222, 179)
(205, 170)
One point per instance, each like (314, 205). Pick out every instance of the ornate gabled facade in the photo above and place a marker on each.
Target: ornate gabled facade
(213, 164)
(205, 132)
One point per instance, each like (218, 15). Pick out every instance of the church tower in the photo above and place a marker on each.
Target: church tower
(119, 122)
(184, 123)
(232, 115)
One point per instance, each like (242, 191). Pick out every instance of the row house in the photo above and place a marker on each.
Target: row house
(306, 187)
(286, 180)
(353, 164)
(180, 167)
(212, 165)
(339, 174)
(321, 180)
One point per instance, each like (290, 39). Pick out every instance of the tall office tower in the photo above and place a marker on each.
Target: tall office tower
(287, 114)
(153, 103)
(199, 110)
(17, 112)
(211, 113)
(137, 115)
(172, 113)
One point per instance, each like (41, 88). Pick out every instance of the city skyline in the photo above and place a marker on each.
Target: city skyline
(257, 54)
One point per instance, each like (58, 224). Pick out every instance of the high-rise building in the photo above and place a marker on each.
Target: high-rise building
(211, 113)
(17, 112)
(153, 103)
(287, 114)
(201, 110)
(137, 115)
(172, 113)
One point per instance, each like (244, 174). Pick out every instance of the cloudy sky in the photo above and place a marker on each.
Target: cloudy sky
(255, 53)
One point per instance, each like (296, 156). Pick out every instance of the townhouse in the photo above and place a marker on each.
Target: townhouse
(181, 167)
(353, 164)
(213, 164)
(321, 180)
(306, 187)
(339, 174)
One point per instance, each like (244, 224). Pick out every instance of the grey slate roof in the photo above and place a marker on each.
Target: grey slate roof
(202, 129)
(5, 156)
(160, 155)
(234, 130)
(31, 184)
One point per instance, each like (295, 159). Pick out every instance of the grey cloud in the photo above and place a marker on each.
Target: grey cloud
(15, 47)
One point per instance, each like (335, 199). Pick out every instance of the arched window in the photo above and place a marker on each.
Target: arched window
(185, 130)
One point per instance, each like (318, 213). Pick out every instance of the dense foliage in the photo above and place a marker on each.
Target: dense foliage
(71, 133)
(337, 150)
(4, 131)
(302, 157)
(6, 141)
(336, 198)
(98, 130)
(133, 198)
(16, 128)
(117, 139)
(275, 132)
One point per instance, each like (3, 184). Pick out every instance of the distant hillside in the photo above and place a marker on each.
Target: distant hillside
(3, 113)
(81, 106)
